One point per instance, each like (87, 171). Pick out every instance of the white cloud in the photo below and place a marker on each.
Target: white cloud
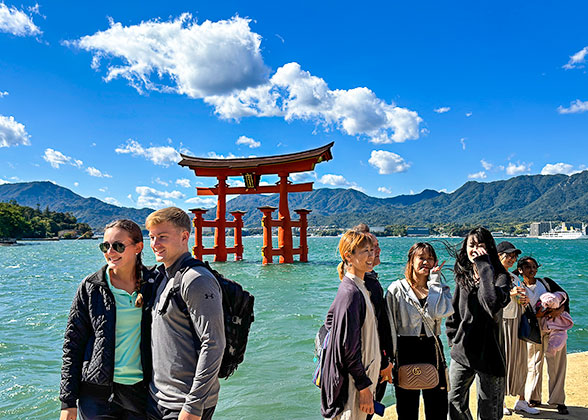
(202, 202)
(477, 175)
(335, 180)
(442, 109)
(113, 201)
(3, 181)
(575, 107)
(103, 189)
(387, 162)
(213, 155)
(3, 94)
(17, 22)
(468, 114)
(160, 182)
(577, 60)
(160, 155)
(463, 143)
(486, 165)
(150, 197)
(221, 63)
(248, 142)
(559, 168)
(183, 182)
(385, 190)
(56, 159)
(518, 169)
(12, 133)
(213, 58)
(303, 176)
(96, 172)
(76, 184)
(295, 94)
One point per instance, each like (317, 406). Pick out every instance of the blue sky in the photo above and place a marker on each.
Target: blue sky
(101, 98)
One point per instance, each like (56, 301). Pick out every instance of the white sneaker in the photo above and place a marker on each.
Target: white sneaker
(506, 411)
(521, 405)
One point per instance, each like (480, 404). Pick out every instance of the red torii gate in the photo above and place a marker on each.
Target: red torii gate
(251, 169)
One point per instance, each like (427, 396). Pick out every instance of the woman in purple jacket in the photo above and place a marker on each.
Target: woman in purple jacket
(351, 363)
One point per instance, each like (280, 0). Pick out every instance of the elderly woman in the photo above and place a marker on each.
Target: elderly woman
(557, 362)
(351, 363)
(515, 349)
(416, 306)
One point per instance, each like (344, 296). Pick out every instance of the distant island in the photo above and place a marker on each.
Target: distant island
(17, 222)
(508, 206)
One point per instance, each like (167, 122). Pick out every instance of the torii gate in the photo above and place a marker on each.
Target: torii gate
(251, 169)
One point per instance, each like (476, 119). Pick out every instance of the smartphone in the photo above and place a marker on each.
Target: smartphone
(379, 408)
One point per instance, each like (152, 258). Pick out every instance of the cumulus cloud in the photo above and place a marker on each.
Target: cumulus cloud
(559, 168)
(517, 169)
(180, 56)
(295, 94)
(335, 180)
(3, 94)
(442, 110)
(577, 60)
(150, 197)
(183, 182)
(12, 133)
(214, 155)
(56, 159)
(477, 175)
(385, 190)
(468, 114)
(303, 176)
(248, 142)
(17, 22)
(160, 155)
(387, 162)
(221, 63)
(202, 202)
(113, 201)
(463, 143)
(160, 182)
(575, 107)
(486, 165)
(96, 172)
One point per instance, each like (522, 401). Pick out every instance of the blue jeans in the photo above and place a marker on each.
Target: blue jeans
(490, 393)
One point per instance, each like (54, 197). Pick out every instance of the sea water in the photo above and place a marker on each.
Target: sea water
(38, 281)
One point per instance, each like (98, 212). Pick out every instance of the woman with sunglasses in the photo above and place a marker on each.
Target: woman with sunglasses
(106, 351)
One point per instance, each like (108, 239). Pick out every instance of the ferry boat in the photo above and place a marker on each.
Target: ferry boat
(564, 232)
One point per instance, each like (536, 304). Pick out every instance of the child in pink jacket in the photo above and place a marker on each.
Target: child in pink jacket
(558, 326)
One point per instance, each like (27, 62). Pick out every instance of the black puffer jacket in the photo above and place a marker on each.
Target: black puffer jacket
(88, 348)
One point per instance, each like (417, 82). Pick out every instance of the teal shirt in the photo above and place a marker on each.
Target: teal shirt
(127, 352)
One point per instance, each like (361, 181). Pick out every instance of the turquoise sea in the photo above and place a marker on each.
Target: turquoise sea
(38, 281)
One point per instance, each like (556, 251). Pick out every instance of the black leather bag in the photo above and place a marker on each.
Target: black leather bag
(529, 329)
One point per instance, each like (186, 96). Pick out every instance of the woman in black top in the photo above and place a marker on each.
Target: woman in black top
(475, 329)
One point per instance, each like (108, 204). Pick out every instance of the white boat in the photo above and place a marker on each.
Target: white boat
(564, 232)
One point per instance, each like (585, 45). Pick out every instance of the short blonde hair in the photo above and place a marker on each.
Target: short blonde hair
(350, 241)
(174, 215)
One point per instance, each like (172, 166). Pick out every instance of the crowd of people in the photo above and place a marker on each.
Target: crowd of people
(396, 340)
(131, 351)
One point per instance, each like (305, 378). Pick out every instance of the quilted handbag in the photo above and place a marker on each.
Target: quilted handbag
(418, 376)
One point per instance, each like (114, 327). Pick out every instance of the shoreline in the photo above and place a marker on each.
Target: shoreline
(576, 395)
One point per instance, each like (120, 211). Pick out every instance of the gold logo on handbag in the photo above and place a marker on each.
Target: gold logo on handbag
(416, 371)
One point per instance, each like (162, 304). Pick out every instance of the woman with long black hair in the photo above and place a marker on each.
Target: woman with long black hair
(106, 351)
(475, 334)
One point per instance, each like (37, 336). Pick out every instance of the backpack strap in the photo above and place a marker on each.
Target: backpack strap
(175, 294)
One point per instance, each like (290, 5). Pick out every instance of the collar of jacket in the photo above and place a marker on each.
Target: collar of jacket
(175, 267)
(99, 277)
(408, 292)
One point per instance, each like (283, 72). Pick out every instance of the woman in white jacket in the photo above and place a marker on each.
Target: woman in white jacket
(416, 306)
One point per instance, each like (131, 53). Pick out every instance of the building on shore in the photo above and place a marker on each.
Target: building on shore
(417, 231)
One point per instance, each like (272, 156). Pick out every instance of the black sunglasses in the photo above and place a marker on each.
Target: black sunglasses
(117, 246)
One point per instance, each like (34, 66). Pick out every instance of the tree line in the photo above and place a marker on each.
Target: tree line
(18, 222)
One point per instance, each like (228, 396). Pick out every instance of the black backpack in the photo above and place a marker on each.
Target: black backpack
(237, 311)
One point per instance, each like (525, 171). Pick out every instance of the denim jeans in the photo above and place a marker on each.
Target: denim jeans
(490, 393)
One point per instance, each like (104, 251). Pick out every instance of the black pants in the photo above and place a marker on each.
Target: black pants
(157, 412)
(421, 350)
(124, 402)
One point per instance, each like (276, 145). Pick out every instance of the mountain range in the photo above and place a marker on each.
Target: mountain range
(521, 199)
